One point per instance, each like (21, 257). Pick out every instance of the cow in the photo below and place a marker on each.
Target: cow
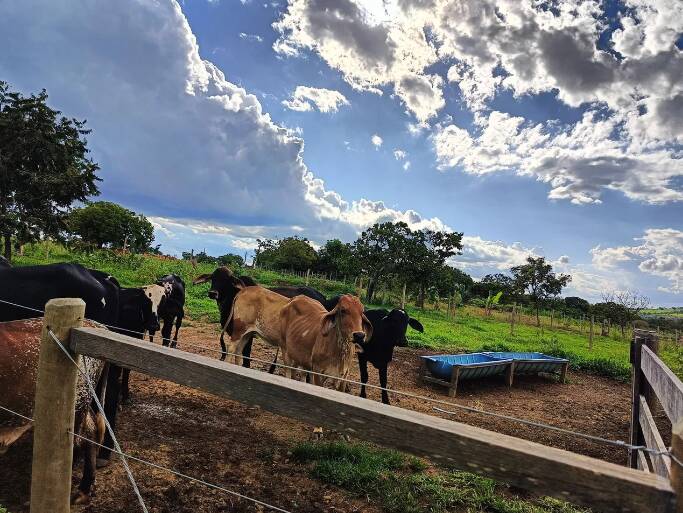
(138, 314)
(33, 286)
(389, 330)
(19, 352)
(4, 262)
(321, 341)
(224, 287)
(172, 309)
(255, 312)
(293, 291)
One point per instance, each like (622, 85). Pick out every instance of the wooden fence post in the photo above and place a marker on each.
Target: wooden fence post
(512, 319)
(676, 470)
(54, 409)
(403, 297)
(636, 380)
(308, 276)
(590, 333)
(651, 340)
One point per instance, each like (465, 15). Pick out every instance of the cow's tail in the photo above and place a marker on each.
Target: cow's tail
(271, 370)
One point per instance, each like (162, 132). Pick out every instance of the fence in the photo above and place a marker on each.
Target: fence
(654, 386)
(582, 480)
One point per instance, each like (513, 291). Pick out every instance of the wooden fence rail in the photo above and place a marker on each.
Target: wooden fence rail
(653, 384)
(545, 470)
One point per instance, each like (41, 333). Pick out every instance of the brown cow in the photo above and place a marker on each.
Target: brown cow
(19, 350)
(321, 341)
(255, 311)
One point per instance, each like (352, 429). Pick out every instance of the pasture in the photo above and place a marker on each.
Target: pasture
(204, 436)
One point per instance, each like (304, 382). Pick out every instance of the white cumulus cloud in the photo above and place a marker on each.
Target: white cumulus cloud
(376, 141)
(306, 98)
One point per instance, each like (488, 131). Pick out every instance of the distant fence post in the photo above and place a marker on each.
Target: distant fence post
(590, 333)
(651, 340)
(676, 470)
(53, 413)
(636, 380)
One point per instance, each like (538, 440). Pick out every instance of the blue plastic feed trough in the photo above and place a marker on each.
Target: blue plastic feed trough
(448, 370)
(474, 365)
(532, 363)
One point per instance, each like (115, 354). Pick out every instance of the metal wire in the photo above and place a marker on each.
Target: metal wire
(469, 409)
(160, 467)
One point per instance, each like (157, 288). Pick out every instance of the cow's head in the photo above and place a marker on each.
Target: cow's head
(224, 284)
(349, 321)
(395, 324)
(156, 295)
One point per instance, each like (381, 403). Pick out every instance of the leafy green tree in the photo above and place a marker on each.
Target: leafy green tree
(289, 253)
(337, 257)
(381, 251)
(231, 260)
(491, 284)
(44, 167)
(538, 280)
(576, 305)
(103, 223)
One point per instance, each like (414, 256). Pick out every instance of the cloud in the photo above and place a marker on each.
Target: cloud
(376, 140)
(480, 256)
(659, 253)
(406, 165)
(578, 161)
(251, 37)
(400, 154)
(325, 100)
(631, 79)
(175, 138)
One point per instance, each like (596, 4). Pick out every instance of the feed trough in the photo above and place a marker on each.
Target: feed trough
(531, 363)
(448, 370)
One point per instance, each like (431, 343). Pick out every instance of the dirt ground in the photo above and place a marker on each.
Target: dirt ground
(246, 450)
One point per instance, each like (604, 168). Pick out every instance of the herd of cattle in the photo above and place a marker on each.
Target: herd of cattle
(312, 332)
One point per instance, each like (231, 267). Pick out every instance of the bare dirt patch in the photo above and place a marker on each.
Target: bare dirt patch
(245, 449)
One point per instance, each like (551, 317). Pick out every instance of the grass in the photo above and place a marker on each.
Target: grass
(469, 331)
(405, 484)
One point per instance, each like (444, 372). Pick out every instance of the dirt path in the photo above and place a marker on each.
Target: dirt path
(246, 450)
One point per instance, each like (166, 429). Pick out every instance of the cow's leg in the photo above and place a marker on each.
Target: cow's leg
(95, 430)
(110, 406)
(125, 390)
(363, 366)
(383, 383)
(178, 324)
(166, 331)
(246, 353)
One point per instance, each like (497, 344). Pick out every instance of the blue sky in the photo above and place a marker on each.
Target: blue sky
(554, 132)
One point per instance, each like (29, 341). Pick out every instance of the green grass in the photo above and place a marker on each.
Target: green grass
(469, 331)
(404, 484)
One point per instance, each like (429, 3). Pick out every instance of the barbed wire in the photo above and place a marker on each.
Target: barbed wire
(161, 467)
(469, 409)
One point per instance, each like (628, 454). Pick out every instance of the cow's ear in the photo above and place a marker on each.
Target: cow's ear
(329, 320)
(202, 278)
(367, 328)
(415, 324)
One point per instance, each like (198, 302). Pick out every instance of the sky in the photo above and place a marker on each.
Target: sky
(535, 128)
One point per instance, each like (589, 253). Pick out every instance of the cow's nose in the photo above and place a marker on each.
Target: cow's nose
(359, 337)
(213, 294)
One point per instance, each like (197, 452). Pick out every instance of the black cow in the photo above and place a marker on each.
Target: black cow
(388, 330)
(292, 291)
(4, 262)
(172, 309)
(33, 286)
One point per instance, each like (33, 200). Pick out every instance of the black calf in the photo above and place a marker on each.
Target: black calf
(389, 330)
(172, 310)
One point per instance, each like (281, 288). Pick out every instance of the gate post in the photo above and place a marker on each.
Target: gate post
(54, 409)
(636, 349)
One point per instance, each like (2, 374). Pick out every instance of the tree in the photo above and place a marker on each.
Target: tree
(576, 305)
(288, 253)
(380, 252)
(336, 257)
(491, 284)
(104, 223)
(537, 279)
(629, 304)
(44, 167)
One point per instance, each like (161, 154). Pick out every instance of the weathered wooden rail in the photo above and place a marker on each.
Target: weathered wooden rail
(654, 386)
(545, 470)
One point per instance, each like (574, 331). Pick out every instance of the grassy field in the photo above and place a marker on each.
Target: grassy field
(469, 330)
(675, 313)
(405, 484)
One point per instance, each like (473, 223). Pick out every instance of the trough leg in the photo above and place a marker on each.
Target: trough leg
(510, 374)
(563, 373)
(455, 374)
